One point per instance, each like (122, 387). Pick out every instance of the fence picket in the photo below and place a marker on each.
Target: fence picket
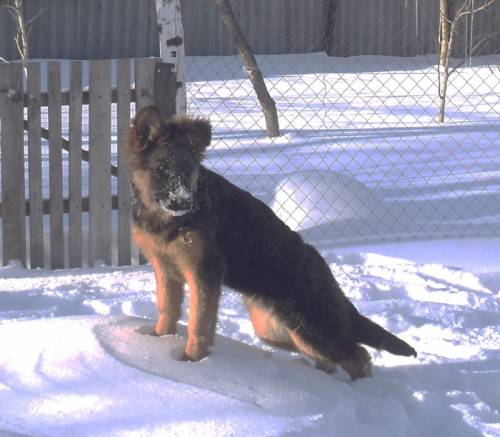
(144, 93)
(100, 161)
(35, 167)
(12, 165)
(123, 122)
(75, 165)
(55, 166)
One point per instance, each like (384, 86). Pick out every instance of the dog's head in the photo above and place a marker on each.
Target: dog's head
(164, 158)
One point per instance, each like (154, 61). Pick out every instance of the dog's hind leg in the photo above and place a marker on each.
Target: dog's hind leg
(356, 362)
(169, 296)
(271, 330)
(314, 343)
(267, 326)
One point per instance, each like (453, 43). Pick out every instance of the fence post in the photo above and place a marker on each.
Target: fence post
(144, 83)
(12, 166)
(165, 89)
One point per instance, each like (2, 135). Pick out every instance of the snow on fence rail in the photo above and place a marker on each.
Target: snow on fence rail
(154, 84)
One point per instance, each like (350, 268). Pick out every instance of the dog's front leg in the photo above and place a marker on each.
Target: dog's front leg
(169, 296)
(203, 304)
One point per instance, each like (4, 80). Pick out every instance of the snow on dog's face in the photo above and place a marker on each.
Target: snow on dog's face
(164, 159)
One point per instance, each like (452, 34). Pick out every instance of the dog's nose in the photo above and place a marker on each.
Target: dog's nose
(174, 200)
(182, 195)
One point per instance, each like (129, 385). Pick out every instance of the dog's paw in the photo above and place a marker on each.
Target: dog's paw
(193, 356)
(360, 366)
(146, 330)
(195, 351)
(161, 332)
(326, 366)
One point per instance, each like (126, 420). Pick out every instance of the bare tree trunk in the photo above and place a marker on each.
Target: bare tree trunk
(444, 55)
(331, 13)
(266, 101)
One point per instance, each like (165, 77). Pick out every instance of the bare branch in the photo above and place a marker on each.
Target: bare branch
(467, 9)
(486, 4)
(463, 10)
(456, 67)
(29, 24)
(483, 39)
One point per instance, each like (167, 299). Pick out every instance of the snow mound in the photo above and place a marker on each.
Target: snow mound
(233, 368)
(57, 379)
(311, 198)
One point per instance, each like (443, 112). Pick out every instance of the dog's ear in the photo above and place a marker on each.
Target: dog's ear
(147, 124)
(198, 130)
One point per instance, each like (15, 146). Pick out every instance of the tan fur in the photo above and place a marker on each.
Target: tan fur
(169, 296)
(203, 304)
(268, 327)
(141, 181)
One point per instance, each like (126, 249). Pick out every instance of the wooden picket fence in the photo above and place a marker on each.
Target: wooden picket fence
(21, 135)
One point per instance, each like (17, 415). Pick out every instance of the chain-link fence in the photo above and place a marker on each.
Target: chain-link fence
(361, 156)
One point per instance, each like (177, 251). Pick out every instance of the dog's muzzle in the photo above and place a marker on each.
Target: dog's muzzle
(178, 205)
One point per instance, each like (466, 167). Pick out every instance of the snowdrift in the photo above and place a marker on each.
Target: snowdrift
(311, 198)
(97, 375)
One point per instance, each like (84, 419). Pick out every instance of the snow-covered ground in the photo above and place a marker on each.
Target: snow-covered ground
(71, 364)
(361, 160)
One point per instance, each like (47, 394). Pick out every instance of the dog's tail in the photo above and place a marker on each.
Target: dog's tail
(373, 335)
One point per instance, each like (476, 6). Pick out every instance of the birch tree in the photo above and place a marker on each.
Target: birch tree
(448, 22)
(23, 28)
(172, 51)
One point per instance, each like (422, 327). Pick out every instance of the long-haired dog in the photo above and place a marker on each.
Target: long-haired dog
(196, 228)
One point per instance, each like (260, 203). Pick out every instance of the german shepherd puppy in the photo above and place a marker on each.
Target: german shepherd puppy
(196, 228)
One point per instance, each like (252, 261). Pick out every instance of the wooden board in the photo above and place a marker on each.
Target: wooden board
(35, 167)
(144, 92)
(75, 165)
(123, 186)
(100, 162)
(12, 163)
(55, 166)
